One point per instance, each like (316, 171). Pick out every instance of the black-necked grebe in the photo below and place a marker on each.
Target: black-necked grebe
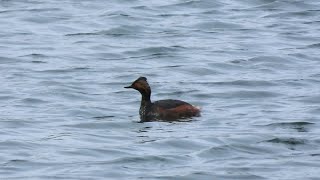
(161, 110)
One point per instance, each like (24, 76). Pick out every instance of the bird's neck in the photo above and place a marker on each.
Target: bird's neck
(145, 105)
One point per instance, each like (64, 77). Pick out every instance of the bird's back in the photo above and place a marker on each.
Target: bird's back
(170, 103)
(170, 109)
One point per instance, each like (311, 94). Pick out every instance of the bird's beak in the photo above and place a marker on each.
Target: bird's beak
(128, 86)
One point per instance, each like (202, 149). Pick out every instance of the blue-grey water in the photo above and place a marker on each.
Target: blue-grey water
(252, 65)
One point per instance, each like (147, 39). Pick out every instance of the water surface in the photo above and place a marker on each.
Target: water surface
(253, 67)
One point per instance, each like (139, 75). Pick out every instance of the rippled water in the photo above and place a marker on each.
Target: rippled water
(252, 65)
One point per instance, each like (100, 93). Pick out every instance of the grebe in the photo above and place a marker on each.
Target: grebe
(168, 109)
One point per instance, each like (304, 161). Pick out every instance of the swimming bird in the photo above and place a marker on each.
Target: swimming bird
(167, 110)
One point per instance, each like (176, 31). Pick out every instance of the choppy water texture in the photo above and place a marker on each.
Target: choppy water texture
(252, 65)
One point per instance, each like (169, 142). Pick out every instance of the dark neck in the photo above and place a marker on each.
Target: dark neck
(145, 105)
(145, 99)
(145, 95)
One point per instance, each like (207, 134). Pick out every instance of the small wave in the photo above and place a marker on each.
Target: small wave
(156, 51)
(218, 25)
(203, 71)
(31, 10)
(89, 125)
(193, 4)
(300, 126)
(299, 123)
(103, 117)
(316, 45)
(118, 31)
(142, 160)
(4, 97)
(15, 144)
(115, 13)
(253, 94)
(288, 141)
(271, 64)
(302, 14)
(248, 83)
(38, 62)
(6, 60)
(315, 99)
(34, 101)
(69, 70)
(35, 55)
(83, 34)
(269, 59)
(218, 152)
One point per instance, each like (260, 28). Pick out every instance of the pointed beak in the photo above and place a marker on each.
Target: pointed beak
(128, 87)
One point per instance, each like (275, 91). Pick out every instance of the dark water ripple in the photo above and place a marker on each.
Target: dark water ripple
(252, 66)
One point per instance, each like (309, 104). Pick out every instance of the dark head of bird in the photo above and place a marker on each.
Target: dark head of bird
(142, 86)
